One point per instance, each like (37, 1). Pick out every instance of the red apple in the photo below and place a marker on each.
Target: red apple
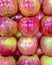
(7, 45)
(28, 26)
(17, 54)
(38, 35)
(29, 7)
(46, 45)
(40, 15)
(46, 60)
(8, 7)
(28, 60)
(7, 60)
(18, 34)
(17, 17)
(39, 52)
(8, 27)
(41, 1)
(28, 45)
(46, 26)
(47, 7)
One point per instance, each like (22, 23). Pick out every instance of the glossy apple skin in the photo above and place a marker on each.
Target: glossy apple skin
(28, 26)
(28, 60)
(39, 52)
(28, 45)
(17, 54)
(46, 45)
(38, 35)
(40, 15)
(7, 60)
(17, 17)
(47, 7)
(7, 45)
(8, 27)
(8, 7)
(46, 26)
(29, 7)
(46, 60)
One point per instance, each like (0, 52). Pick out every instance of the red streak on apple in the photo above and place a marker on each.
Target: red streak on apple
(46, 26)
(28, 26)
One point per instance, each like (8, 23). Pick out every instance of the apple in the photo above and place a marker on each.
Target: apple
(29, 7)
(46, 60)
(41, 1)
(40, 15)
(28, 26)
(41, 6)
(8, 27)
(46, 45)
(39, 52)
(29, 60)
(38, 35)
(46, 26)
(18, 34)
(17, 17)
(47, 7)
(8, 7)
(7, 45)
(28, 45)
(7, 60)
(17, 53)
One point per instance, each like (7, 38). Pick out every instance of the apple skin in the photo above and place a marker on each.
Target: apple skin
(47, 7)
(46, 45)
(8, 7)
(7, 45)
(46, 26)
(28, 26)
(29, 60)
(28, 45)
(18, 34)
(10, 60)
(17, 17)
(46, 60)
(17, 54)
(8, 27)
(39, 52)
(40, 15)
(38, 35)
(29, 7)
(41, 1)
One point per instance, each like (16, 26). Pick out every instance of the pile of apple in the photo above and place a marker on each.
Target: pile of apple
(25, 32)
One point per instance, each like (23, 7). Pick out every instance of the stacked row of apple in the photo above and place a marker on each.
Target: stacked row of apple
(26, 32)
